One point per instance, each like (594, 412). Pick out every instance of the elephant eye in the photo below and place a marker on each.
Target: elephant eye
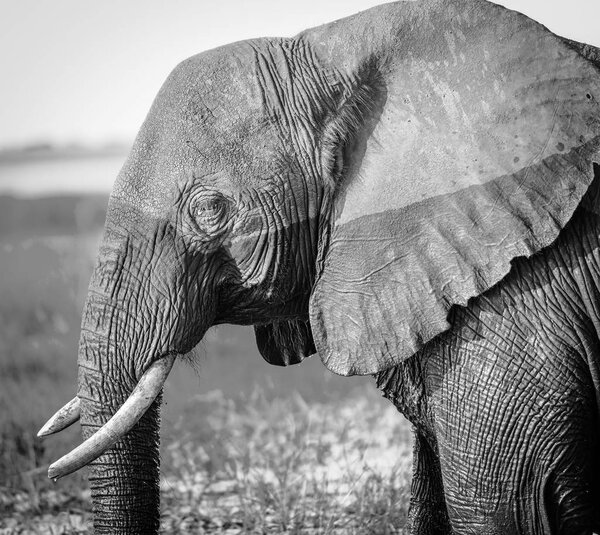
(210, 213)
(208, 208)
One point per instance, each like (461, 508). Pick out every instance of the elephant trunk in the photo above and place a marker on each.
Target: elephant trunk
(126, 350)
(124, 480)
(138, 315)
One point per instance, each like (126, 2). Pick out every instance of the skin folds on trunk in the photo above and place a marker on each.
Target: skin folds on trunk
(124, 480)
(118, 344)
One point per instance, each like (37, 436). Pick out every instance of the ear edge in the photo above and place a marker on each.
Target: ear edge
(589, 52)
(339, 355)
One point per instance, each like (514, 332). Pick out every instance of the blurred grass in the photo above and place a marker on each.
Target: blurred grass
(283, 465)
(246, 448)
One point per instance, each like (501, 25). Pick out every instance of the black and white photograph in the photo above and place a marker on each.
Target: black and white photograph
(301, 268)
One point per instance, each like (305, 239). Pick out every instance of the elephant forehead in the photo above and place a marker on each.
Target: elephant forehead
(205, 86)
(213, 102)
(253, 83)
(210, 117)
(162, 164)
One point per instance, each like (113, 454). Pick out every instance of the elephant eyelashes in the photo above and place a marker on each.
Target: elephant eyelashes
(337, 167)
(335, 152)
(345, 129)
(209, 210)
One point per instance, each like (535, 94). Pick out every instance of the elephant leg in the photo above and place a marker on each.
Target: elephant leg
(428, 514)
(518, 453)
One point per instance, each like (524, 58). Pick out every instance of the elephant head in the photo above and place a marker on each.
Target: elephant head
(340, 191)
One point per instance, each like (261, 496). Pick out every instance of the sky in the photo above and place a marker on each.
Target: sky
(87, 70)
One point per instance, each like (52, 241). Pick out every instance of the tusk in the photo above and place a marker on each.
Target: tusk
(61, 419)
(123, 420)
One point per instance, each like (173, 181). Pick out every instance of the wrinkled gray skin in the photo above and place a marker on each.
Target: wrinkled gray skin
(493, 455)
(224, 212)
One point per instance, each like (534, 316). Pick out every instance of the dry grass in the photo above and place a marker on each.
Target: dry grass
(284, 466)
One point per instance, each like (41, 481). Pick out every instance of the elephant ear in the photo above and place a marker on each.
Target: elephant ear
(477, 148)
(283, 343)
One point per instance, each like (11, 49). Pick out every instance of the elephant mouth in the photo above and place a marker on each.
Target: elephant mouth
(136, 405)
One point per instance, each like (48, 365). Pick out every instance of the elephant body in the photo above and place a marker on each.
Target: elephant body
(505, 404)
(406, 192)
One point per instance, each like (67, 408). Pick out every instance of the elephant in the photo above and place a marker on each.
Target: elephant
(410, 193)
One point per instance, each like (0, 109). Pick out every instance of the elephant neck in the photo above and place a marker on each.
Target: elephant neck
(405, 386)
(578, 247)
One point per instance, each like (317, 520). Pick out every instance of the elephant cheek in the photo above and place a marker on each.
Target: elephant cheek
(250, 257)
